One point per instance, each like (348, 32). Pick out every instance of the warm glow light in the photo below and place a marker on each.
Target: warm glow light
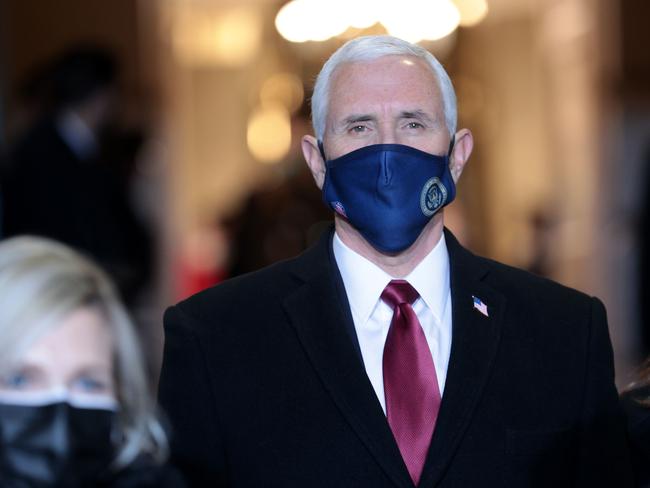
(237, 35)
(310, 20)
(471, 11)
(289, 24)
(284, 89)
(269, 134)
(419, 20)
(216, 37)
(412, 20)
(360, 14)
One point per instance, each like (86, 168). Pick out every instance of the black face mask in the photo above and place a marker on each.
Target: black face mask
(54, 445)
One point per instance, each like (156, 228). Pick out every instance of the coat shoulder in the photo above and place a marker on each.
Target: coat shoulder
(517, 281)
(515, 284)
(534, 296)
(242, 294)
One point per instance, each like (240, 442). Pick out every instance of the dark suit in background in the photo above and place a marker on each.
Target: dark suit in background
(643, 280)
(67, 177)
(637, 408)
(51, 191)
(264, 385)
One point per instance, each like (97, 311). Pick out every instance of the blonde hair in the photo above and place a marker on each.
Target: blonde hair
(42, 281)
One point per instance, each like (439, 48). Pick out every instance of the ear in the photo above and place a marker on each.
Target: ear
(314, 159)
(463, 145)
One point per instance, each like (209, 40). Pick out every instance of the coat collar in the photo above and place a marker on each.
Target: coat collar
(475, 339)
(319, 313)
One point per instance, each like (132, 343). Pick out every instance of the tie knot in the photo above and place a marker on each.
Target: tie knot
(398, 292)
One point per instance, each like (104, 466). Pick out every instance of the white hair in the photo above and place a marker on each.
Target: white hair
(43, 281)
(370, 48)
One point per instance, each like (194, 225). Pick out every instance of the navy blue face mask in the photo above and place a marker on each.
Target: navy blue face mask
(388, 192)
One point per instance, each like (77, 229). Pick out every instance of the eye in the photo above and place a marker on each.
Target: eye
(415, 125)
(18, 380)
(358, 129)
(89, 384)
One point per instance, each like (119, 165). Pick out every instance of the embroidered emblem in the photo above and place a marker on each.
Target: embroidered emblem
(433, 196)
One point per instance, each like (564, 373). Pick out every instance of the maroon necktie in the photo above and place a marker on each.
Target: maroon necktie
(410, 382)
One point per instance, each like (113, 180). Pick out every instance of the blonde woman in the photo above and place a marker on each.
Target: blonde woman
(75, 408)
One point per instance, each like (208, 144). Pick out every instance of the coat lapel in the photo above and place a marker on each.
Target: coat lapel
(317, 314)
(475, 338)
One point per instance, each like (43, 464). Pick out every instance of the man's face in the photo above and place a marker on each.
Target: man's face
(391, 100)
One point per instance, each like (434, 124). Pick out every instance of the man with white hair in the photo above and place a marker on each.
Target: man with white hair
(388, 355)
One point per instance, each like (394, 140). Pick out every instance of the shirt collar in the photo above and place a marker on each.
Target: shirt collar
(77, 135)
(431, 279)
(364, 281)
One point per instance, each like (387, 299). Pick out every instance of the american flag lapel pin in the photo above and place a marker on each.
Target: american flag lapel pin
(480, 306)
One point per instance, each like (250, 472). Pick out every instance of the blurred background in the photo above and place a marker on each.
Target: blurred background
(162, 137)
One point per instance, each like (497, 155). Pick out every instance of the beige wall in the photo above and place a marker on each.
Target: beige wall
(533, 83)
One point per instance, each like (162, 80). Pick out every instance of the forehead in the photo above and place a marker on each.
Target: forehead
(406, 82)
(84, 335)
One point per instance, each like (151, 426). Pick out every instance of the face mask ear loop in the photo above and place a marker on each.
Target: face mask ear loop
(322, 150)
(451, 146)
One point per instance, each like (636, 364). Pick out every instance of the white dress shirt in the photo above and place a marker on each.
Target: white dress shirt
(364, 283)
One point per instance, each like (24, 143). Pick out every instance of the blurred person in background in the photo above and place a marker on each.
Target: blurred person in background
(387, 354)
(75, 408)
(277, 223)
(67, 177)
(636, 398)
(643, 237)
(2, 166)
(636, 403)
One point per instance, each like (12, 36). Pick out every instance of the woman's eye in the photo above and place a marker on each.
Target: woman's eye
(90, 385)
(16, 381)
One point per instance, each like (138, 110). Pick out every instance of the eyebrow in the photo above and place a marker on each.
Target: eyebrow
(350, 119)
(418, 114)
(343, 124)
(405, 114)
